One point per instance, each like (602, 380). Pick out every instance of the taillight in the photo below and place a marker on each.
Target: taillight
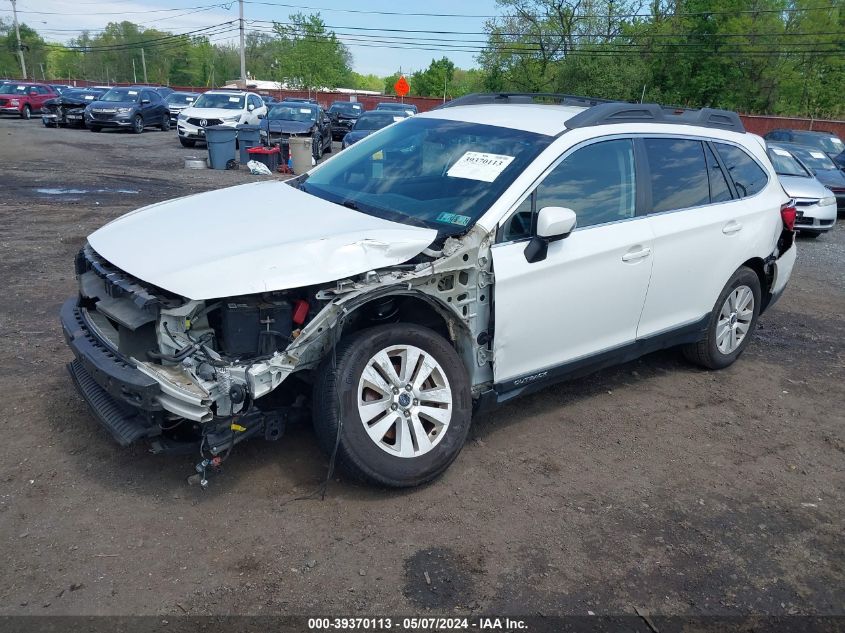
(787, 214)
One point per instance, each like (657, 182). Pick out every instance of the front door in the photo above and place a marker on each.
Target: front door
(587, 295)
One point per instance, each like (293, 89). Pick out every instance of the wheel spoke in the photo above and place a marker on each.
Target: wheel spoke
(371, 378)
(440, 416)
(378, 430)
(404, 441)
(369, 410)
(732, 344)
(381, 359)
(409, 363)
(423, 442)
(721, 332)
(426, 369)
(741, 329)
(437, 395)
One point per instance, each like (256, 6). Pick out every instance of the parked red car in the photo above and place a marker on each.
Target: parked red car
(23, 98)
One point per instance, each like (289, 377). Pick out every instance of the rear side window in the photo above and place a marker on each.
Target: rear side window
(678, 174)
(748, 177)
(719, 189)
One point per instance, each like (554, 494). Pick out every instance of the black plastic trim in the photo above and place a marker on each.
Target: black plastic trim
(535, 381)
(617, 112)
(486, 98)
(113, 373)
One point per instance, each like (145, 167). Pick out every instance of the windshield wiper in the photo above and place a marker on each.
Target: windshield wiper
(350, 204)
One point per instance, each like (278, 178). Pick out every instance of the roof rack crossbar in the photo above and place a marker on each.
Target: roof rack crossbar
(608, 113)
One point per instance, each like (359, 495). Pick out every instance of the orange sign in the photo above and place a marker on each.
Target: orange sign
(401, 86)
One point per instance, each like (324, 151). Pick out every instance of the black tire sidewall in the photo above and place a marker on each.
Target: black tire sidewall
(165, 123)
(26, 112)
(742, 277)
(356, 445)
(137, 129)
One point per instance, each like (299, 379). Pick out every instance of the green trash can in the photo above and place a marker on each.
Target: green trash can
(248, 136)
(221, 145)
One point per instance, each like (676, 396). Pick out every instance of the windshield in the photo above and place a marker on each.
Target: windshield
(813, 158)
(376, 120)
(121, 94)
(785, 163)
(428, 172)
(347, 108)
(11, 89)
(220, 100)
(827, 143)
(180, 99)
(293, 112)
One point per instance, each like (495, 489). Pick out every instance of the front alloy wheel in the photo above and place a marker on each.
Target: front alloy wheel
(395, 403)
(137, 124)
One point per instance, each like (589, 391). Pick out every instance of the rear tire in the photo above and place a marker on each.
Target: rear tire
(392, 448)
(731, 324)
(187, 142)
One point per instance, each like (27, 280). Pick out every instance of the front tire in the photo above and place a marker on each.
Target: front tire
(26, 113)
(95, 128)
(397, 405)
(317, 147)
(137, 124)
(165, 123)
(731, 324)
(810, 234)
(187, 142)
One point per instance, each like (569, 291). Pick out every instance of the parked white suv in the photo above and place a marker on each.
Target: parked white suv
(448, 262)
(218, 107)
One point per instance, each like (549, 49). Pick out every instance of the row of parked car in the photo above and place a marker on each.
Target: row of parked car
(137, 107)
(811, 168)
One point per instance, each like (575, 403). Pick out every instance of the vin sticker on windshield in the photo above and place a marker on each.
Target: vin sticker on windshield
(817, 154)
(453, 218)
(479, 166)
(780, 152)
(234, 99)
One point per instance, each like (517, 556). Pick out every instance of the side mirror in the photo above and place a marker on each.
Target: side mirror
(250, 107)
(553, 223)
(261, 116)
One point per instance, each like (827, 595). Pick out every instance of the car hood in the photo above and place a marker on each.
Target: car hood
(109, 105)
(253, 238)
(356, 135)
(209, 113)
(831, 178)
(288, 127)
(803, 187)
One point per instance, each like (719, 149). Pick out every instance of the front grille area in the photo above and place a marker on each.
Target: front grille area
(195, 121)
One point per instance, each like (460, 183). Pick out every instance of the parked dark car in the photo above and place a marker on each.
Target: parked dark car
(269, 100)
(23, 98)
(828, 142)
(343, 115)
(370, 122)
(68, 108)
(61, 88)
(410, 108)
(298, 118)
(164, 91)
(178, 101)
(132, 108)
(299, 100)
(823, 168)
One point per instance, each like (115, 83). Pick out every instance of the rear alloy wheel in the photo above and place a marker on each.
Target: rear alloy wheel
(137, 124)
(186, 142)
(26, 113)
(165, 123)
(397, 405)
(731, 323)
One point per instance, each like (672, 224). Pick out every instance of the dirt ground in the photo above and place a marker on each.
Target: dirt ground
(654, 485)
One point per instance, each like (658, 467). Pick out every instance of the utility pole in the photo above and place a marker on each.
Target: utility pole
(144, 65)
(134, 76)
(243, 58)
(20, 47)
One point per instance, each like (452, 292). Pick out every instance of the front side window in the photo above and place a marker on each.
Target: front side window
(678, 174)
(748, 177)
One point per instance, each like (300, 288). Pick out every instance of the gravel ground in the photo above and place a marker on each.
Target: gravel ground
(653, 485)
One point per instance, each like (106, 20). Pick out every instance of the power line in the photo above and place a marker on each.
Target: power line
(138, 44)
(226, 5)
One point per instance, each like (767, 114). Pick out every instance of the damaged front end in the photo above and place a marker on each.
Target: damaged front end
(211, 373)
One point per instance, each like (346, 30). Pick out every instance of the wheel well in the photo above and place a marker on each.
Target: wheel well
(403, 309)
(759, 266)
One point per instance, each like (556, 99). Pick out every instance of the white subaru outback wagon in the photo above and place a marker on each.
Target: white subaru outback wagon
(451, 261)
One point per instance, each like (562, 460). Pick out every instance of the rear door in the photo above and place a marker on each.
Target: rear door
(705, 225)
(586, 296)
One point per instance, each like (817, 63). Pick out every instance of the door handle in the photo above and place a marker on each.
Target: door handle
(632, 256)
(732, 227)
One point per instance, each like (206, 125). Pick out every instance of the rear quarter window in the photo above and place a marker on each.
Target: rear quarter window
(748, 177)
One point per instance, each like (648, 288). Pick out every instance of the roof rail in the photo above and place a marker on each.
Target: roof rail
(482, 98)
(608, 113)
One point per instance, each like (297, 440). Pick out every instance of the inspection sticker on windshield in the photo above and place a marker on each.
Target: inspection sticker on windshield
(132, 92)
(780, 152)
(817, 154)
(396, 119)
(479, 166)
(234, 99)
(305, 110)
(453, 218)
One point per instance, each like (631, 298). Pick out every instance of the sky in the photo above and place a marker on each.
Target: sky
(60, 20)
